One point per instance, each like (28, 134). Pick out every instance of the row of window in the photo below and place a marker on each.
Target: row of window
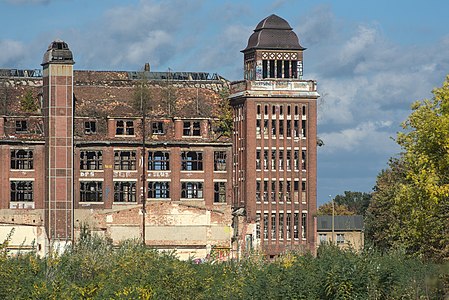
(127, 160)
(280, 108)
(281, 225)
(279, 159)
(124, 191)
(124, 127)
(277, 128)
(324, 239)
(266, 190)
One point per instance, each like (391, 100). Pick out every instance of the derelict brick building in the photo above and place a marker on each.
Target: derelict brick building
(74, 151)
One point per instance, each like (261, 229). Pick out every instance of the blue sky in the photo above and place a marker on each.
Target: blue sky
(371, 59)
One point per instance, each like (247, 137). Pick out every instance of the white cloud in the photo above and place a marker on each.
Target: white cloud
(367, 136)
(11, 51)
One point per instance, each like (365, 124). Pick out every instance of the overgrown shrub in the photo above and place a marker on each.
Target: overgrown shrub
(93, 269)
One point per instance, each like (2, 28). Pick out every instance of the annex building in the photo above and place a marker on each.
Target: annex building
(185, 161)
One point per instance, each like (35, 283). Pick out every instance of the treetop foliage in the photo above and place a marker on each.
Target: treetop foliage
(410, 206)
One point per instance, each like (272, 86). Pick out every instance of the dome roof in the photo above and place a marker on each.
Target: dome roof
(58, 52)
(273, 32)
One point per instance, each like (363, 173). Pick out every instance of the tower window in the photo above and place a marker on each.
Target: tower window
(264, 68)
(272, 69)
(286, 69)
(294, 69)
(279, 69)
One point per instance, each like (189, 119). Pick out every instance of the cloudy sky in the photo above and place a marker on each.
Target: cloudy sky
(371, 59)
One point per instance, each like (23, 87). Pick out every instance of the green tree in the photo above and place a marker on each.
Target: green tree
(356, 202)
(383, 220)
(339, 210)
(224, 123)
(28, 103)
(416, 191)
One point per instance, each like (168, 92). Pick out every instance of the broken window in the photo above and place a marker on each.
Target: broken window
(159, 190)
(281, 159)
(219, 161)
(265, 226)
(22, 159)
(265, 190)
(21, 190)
(288, 160)
(296, 160)
(158, 161)
(91, 191)
(258, 161)
(303, 191)
(273, 128)
(273, 160)
(289, 128)
(219, 192)
(281, 128)
(157, 128)
(21, 126)
(296, 128)
(265, 159)
(303, 128)
(288, 225)
(258, 225)
(258, 122)
(288, 189)
(90, 127)
(192, 190)
(258, 186)
(296, 225)
(91, 160)
(281, 226)
(124, 160)
(191, 128)
(273, 191)
(280, 191)
(124, 191)
(304, 225)
(304, 160)
(191, 161)
(273, 226)
(124, 127)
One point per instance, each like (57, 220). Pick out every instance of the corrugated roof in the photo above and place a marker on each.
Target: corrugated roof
(341, 223)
